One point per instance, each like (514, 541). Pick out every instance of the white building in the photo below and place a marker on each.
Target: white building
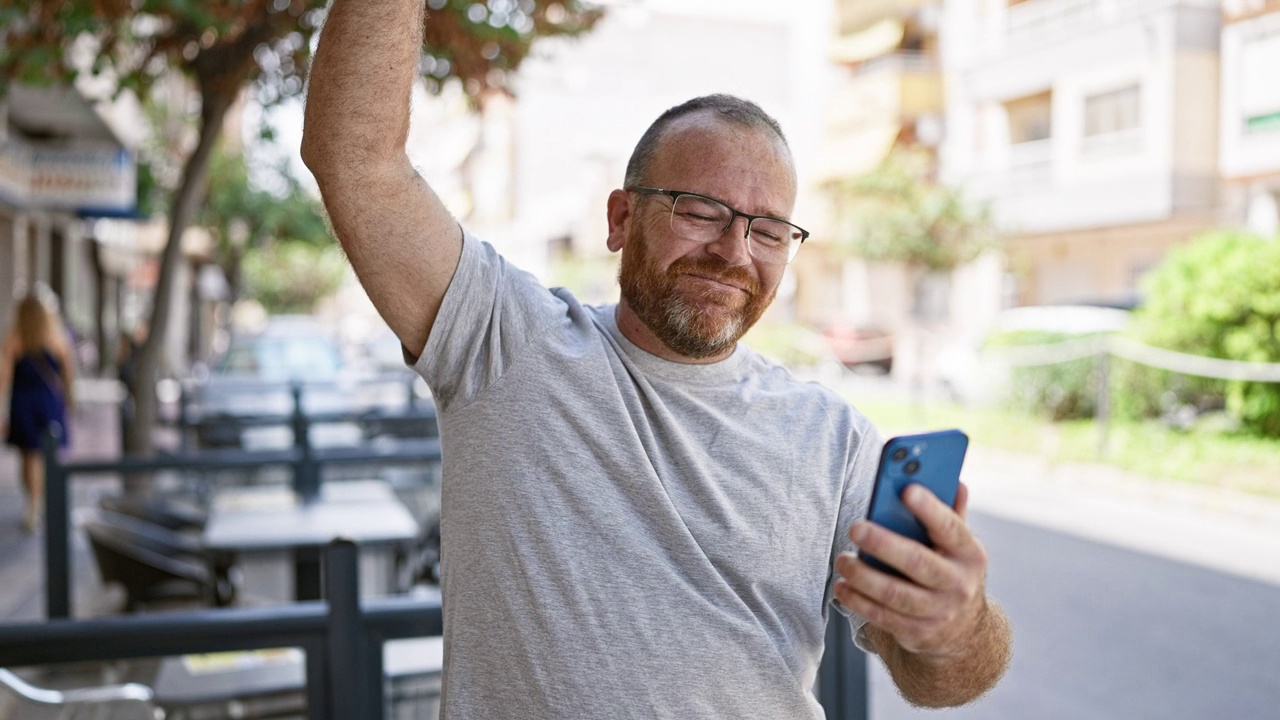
(1092, 125)
(1251, 114)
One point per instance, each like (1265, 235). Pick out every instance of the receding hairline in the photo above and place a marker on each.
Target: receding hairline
(725, 110)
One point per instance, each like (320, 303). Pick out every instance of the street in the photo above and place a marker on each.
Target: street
(1103, 633)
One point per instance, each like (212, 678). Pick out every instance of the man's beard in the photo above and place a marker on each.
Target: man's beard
(692, 323)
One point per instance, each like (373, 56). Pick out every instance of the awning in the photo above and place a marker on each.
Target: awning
(880, 39)
(858, 152)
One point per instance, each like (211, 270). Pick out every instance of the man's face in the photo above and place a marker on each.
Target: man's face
(697, 299)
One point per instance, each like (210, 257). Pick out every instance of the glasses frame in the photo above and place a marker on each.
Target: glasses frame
(734, 215)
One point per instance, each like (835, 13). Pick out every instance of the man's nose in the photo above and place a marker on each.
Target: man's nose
(733, 246)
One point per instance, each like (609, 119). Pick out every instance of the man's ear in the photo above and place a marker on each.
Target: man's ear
(619, 215)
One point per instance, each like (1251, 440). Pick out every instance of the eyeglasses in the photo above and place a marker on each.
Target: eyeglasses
(702, 219)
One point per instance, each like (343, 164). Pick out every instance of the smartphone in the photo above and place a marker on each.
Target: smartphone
(929, 459)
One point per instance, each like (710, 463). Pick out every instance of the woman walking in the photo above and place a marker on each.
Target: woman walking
(37, 369)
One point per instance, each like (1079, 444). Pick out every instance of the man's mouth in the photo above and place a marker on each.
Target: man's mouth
(723, 283)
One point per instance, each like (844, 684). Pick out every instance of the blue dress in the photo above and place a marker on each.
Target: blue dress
(37, 400)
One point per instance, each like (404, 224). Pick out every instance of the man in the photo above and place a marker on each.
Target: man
(641, 518)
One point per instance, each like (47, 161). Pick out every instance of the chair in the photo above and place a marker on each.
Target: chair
(151, 571)
(167, 513)
(67, 703)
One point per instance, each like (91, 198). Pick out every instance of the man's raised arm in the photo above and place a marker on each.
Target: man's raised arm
(401, 240)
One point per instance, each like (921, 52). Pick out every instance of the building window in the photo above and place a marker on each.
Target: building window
(1030, 118)
(1113, 112)
(1259, 92)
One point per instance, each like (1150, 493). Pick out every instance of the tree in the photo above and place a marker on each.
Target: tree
(244, 219)
(899, 213)
(223, 45)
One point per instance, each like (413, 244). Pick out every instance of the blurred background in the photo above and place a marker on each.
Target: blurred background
(1054, 224)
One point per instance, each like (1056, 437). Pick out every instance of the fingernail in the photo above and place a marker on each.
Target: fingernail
(858, 533)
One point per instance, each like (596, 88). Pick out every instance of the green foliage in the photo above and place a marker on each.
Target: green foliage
(1219, 296)
(227, 43)
(244, 218)
(900, 213)
(1139, 391)
(1061, 391)
(291, 277)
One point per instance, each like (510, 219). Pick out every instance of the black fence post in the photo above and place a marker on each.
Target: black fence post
(306, 475)
(842, 679)
(57, 556)
(350, 689)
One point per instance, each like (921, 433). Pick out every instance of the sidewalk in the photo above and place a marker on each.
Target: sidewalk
(1220, 529)
(95, 434)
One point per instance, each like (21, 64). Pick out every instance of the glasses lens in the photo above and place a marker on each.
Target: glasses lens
(774, 241)
(699, 219)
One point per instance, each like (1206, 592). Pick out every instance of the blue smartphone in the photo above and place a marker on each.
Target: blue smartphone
(929, 459)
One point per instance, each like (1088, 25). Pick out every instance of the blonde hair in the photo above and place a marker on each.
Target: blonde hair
(37, 325)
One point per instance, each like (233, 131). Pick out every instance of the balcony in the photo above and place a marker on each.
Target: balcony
(1030, 165)
(889, 88)
(872, 105)
(1035, 19)
(854, 16)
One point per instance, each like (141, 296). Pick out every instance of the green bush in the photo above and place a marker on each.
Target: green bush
(292, 276)
(1062, 391)
(1219, 296)
(1142, 392)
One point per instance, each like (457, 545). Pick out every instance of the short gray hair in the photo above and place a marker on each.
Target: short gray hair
(724, 107)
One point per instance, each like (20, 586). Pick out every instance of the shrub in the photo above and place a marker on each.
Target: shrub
(1219, 296)
(1062, 391)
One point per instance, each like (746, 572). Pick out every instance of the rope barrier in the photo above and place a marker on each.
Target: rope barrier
(1141, 353)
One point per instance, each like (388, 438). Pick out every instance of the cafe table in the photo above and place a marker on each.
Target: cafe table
(249, 520)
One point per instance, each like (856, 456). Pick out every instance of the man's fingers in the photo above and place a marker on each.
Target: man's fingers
(917, 562)
(945, 526)
(899, 595)
(882, 616)
(962, 502)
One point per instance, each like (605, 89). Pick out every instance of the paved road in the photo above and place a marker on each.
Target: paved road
(1103, 633)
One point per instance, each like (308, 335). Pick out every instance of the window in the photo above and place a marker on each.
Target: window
(1113, 112)
(1259, 91)
(1030, 118)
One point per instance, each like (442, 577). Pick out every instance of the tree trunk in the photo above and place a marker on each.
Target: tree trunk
(137, 433)
(106, 348)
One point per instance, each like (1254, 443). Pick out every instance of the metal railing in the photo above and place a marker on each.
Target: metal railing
(342, 639)
(304, 459)
(341, 636)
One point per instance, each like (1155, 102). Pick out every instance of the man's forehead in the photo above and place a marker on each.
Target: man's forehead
(703, 144)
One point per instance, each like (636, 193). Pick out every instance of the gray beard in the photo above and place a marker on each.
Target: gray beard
(680, 333)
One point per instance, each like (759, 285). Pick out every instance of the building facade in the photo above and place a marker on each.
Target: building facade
(1250, 125)
(61, 167)
(1092, 127)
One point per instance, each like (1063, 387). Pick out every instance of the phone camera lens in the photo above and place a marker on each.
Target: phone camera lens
(899, 455)
(911, 468)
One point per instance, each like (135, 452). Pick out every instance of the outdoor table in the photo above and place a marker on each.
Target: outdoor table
(273, 519)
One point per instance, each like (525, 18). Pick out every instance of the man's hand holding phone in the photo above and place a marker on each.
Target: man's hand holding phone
(937, 607)
(919, 573)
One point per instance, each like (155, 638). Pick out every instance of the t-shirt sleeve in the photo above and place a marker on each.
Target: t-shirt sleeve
(491, 311)
(860, 479)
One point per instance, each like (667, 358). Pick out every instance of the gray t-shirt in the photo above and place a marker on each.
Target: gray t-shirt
(623, 536)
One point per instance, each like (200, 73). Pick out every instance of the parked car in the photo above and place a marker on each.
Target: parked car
(861, 347)
(245, 398)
